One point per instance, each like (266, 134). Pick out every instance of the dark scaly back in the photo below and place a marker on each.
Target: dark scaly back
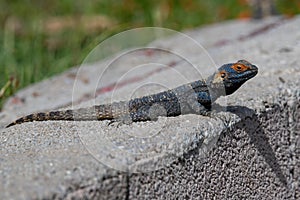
(169, 95)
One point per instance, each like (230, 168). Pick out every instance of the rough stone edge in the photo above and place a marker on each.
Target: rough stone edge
(279, 101)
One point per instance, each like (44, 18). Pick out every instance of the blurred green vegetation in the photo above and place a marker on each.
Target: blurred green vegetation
(42, 38)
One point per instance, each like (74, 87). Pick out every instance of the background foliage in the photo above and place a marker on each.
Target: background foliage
(41, 38)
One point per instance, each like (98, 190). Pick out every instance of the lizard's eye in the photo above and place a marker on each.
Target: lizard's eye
(239, 67)
(223, 75)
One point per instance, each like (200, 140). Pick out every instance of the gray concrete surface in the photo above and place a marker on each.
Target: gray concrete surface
(252, 152)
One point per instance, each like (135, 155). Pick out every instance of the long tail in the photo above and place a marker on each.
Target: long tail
(81, 114)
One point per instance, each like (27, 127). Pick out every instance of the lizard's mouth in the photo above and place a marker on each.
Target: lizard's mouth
(252, 72)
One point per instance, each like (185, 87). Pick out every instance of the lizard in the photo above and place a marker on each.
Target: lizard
(195, 97)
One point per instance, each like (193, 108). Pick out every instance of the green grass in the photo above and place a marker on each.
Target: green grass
(30, 52)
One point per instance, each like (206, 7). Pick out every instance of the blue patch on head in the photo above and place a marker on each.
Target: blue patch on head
(227, 68)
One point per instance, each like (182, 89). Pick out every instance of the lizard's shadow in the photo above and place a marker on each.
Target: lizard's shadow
(258, 137)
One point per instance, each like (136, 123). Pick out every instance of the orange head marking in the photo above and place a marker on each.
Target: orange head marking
(239, 67)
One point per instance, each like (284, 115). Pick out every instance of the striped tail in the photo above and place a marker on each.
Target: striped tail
(45, 116)
(81, 114)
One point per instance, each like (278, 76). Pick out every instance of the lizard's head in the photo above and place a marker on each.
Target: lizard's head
(232, 76)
